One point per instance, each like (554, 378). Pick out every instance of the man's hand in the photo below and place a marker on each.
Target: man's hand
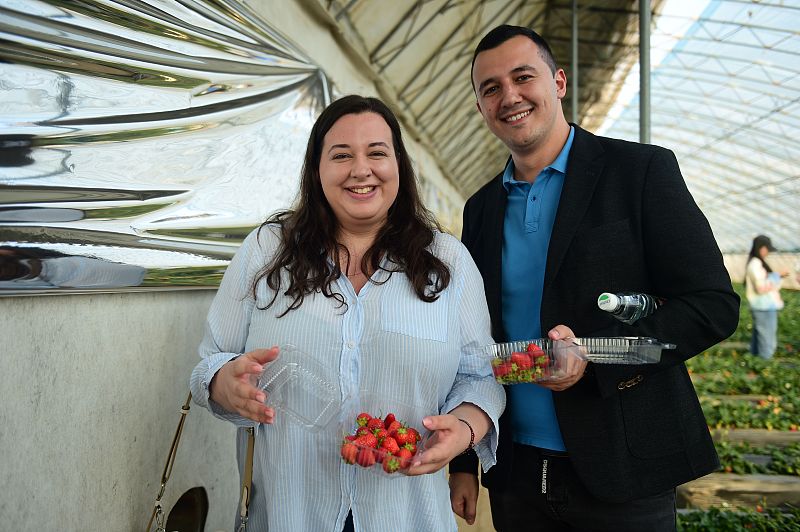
(571, 364)
(464, 495)
(233, 387)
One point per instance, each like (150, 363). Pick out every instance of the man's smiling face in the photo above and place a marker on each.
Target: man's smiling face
(518, 95)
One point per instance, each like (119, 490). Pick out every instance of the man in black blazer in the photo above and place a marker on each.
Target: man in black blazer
(571, 216)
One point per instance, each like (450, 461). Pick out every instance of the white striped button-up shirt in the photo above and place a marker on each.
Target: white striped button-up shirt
(386, 343)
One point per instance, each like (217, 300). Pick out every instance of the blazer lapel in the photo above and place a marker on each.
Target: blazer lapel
(493, 249)
(584, 167)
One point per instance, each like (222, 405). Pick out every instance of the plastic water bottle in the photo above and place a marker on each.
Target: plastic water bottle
(627, 307)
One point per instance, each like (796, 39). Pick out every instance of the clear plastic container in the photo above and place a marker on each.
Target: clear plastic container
(301, 388)
(542, 360)
(374, 443)
(533, 361)
(623, 349)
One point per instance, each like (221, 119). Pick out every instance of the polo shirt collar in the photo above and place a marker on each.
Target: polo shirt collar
(559, 164)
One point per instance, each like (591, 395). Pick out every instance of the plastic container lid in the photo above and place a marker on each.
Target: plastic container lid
(302, 388)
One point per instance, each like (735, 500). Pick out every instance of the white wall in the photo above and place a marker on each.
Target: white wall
(92, 388)
(92, 384)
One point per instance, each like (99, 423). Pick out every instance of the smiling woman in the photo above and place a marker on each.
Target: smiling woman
(357, 274)
(359, 202)
(359, 175)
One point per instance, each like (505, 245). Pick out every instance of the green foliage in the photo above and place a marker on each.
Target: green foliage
(734, 458)
(725, 520)
(728, 369)
(201, 276)
(775, 414)
(731, 373)
(716, 374)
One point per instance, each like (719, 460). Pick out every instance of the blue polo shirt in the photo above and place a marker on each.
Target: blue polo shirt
(530, 213)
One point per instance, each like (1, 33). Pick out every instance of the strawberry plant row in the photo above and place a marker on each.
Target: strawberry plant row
(735, 373)
(763, 520)
(744, 458)
(776, 414)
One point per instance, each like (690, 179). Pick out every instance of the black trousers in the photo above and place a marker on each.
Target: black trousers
(545, 494)
(348, 523)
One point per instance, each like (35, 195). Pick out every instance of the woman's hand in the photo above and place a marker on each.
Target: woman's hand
(233, 387)
(450, 437)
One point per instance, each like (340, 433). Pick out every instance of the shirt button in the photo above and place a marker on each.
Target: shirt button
(350, 345)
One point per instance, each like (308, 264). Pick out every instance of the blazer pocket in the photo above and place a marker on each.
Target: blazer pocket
(403, 312)
(651, 411)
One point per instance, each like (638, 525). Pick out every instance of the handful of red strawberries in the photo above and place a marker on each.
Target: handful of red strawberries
(528, 366)
(386, 442)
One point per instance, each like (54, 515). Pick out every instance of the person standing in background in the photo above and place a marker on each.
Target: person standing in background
(573, 215)
(762, 289)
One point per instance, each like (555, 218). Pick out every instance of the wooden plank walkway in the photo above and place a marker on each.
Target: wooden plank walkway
(735, 490)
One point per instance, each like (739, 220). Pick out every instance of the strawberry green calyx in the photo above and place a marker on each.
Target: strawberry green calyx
(362, 419)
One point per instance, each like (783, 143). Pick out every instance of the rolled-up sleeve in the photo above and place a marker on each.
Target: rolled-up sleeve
(475, 382)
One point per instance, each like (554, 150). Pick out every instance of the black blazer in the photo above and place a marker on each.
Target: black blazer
(625, 222)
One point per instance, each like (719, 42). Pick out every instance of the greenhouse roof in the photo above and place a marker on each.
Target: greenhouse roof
(725, 90)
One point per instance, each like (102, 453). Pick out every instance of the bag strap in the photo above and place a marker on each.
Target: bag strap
(247, 479)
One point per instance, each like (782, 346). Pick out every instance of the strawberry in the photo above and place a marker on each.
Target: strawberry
(362, 419)
(404, 457)
(532, 348)
(393, 426)
(362, 430)
(411, 446)
(403, 436)
(501, 369)
(390, 418)
(374, 424)
(380, 433)
(367, 440)
(350, 437)
(349, 453)
(541, 360)
(391, 463)
(389, 445)
(414, 433)
(365, 457)
(522, 360)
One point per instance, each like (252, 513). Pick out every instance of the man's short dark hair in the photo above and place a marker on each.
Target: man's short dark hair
(501, 34)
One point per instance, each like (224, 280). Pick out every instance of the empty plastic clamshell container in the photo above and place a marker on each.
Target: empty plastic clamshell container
(301, 388)
(538, 360)
(622, 349)
(382, 435)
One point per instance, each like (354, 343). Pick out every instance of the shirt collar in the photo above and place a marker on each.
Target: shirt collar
(559, 164)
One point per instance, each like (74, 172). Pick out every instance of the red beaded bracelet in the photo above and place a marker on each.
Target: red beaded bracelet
(471, 436)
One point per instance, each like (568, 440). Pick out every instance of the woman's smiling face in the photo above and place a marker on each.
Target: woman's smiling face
(358, 171)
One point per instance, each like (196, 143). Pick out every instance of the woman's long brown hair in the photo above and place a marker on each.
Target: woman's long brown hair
(308, 232)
